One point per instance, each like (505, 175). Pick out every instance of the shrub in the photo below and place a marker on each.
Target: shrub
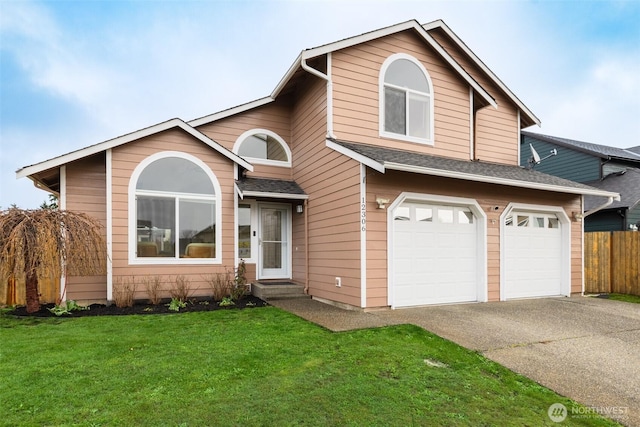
(180, 290)
(220, 284)
(239, 287)
(153, 285)
(123, 291)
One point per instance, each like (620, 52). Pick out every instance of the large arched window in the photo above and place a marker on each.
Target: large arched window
(406, 100)
(174, 211)
(264, 147)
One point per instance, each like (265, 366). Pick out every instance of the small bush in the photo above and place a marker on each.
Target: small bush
(123, 291)
(153, 285)
(239, 287)
(220, 284)
(180, 290)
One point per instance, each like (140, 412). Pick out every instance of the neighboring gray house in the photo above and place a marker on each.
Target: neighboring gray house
(600, 166)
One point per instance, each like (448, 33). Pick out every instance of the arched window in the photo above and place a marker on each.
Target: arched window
(174, 211)
(262, 146)
(406, 100)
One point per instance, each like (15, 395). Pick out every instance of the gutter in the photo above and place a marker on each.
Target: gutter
(327, 78)
(602, 206)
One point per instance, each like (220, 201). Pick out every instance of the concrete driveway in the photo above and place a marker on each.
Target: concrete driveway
(587, 349)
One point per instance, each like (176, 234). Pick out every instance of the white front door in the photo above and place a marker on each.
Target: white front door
(274, 231)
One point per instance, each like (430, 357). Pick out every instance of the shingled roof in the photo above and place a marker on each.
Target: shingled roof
(626, 183)
(598, 150)
(257, 187)
(382, 158)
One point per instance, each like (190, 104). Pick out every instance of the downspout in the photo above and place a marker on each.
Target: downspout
(327, 78)
(306, 245)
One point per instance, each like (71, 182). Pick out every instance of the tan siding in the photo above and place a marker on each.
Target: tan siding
(86, 192)
(355, 73)
(274, 117)
(331, 180)
(497, 135)
(125, 159)
(391, 184)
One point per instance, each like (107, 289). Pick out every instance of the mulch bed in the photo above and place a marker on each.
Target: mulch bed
(142, 307)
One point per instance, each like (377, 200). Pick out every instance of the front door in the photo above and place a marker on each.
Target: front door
(274, 231)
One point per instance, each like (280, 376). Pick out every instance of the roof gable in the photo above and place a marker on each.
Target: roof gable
(124, 139)
(626, 183)
(421, 30)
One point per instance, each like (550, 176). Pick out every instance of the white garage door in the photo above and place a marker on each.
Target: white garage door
(533, 255)
(434, 254)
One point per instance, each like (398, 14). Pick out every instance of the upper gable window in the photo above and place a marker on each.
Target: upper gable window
(174, 211)
(406, 100)
(262, 146)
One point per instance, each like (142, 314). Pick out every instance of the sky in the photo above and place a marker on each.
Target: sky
(76, 73)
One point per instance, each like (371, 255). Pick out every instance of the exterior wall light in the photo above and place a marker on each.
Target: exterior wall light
(382, 203)
(299, 209)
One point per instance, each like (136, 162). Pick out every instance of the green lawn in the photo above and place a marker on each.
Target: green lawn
(253, 367)
(624, 297)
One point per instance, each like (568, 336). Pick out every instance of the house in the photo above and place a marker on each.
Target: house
(382, 171)
(600, 166)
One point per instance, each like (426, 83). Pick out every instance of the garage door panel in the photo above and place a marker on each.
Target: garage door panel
(533, 256)
(435, 262)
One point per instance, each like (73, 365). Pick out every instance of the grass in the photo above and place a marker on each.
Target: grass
(253, 367)
(626, 298)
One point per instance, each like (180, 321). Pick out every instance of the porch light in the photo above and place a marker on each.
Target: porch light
(382, 203)
(577, 216)
(299, 209)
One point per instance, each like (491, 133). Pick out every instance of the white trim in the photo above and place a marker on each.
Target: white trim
(518, 139)
(124, 139)
(257, 160)
(253, 220)
(273, 195)
(109, 183)
(363, 235)
(355, 156)
(472, 124)
(131, 197)
(481, 241)
(330, 96)
(565, 221)
(495, 180)
(231, 111)
(62, 205)
(381, 100)
(440, 24)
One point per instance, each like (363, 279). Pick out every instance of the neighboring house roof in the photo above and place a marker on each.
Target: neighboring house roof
(634, 149)
(382, 159)
(627, 184)
(259, 187)
(602, 151)
(115, 142)
(421, 30)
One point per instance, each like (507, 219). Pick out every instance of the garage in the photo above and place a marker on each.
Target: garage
(533, 254)
(436, 251)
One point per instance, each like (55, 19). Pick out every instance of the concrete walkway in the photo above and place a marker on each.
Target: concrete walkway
(587, 349)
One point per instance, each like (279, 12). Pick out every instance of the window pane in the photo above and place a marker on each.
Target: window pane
(405, 73)
(523, 221)
(244, 231)
(155, 227)
(418, 115)
(465, 216)
(553, 223)
(197, 229)
(424, 214)
(445, 215)
(394, 111)
(508, 221)
(174, 174)
(262, 146)
(538, 222)
(401, 213)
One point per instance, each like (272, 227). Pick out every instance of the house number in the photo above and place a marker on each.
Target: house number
(363, 215)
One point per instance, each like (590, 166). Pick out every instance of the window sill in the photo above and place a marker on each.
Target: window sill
(406, 138)
(174, 261)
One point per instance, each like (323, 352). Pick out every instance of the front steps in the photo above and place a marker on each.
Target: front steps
(277, 290)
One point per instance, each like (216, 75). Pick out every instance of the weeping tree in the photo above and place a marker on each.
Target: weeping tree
(49, 243)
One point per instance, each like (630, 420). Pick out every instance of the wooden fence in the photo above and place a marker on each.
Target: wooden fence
(12, 291)
(612, 262)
